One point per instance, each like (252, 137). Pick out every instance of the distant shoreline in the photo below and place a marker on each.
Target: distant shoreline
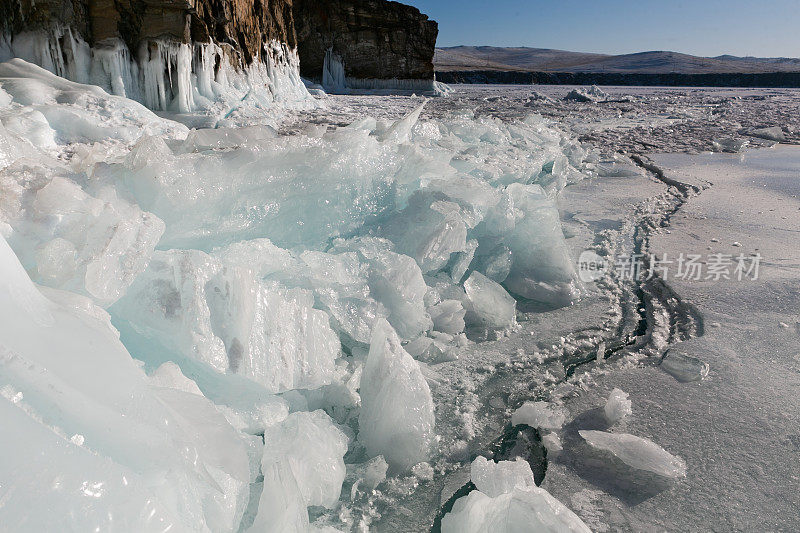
(727, 79)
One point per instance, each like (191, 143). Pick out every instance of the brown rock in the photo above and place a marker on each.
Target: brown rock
(246, 25)
(377, 39)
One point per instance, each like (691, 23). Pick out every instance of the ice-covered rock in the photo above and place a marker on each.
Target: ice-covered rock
(397, 417)
(489, 305)
(542, 415)
(494, 479)
(617, 406)
(519, 511)
(637, 453)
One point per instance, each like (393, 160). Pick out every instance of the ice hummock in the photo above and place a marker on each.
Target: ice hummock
(251, 274)
(591, 94)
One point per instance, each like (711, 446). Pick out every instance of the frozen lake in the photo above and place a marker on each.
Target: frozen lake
(328, 317)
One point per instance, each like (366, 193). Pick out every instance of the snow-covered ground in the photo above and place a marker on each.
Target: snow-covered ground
(332, 320)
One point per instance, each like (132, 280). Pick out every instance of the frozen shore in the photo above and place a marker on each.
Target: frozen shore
(737, 428)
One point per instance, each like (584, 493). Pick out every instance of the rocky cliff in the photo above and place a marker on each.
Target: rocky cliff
(375, 39)
(246, 26)
(183, 55)
(179, 55)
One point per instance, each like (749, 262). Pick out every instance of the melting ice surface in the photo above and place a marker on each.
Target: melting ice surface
(251, 275)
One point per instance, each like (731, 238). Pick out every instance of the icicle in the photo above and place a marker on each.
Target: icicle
(333, 76)
(166, 75)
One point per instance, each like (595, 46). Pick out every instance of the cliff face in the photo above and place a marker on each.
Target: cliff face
(376, 39)
(246, 25)
(164, 53)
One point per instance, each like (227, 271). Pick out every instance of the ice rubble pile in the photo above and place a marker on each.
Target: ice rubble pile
(590, 95)
(507, 500)
(252, 275)
(167, 75)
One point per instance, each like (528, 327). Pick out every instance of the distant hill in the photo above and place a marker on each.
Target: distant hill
(522, 59)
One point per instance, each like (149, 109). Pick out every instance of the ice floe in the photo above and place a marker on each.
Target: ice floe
(637, 453)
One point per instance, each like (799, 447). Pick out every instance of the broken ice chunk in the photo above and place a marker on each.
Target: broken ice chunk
(397, 415)
(528, 509)
(617, 407)
(637, 453)
(462, 261)
(541, 268)
(729, 144)
(400, 131)
(375, 472)
(683, 367)
(774, 133)
(429, 229)
(495, 264)
(192, 304)
(226, 138)
(489, 304)
(553, 444)
(94, 245)
(494, 479)
(169, 376)
(281, 507)
(396, 281)
(540, 415)
(313, 447)
(448, 317)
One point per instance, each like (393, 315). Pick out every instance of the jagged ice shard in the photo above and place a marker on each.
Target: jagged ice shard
(168, 294)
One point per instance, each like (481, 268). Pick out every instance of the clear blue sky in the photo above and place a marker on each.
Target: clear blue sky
(699, 27)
